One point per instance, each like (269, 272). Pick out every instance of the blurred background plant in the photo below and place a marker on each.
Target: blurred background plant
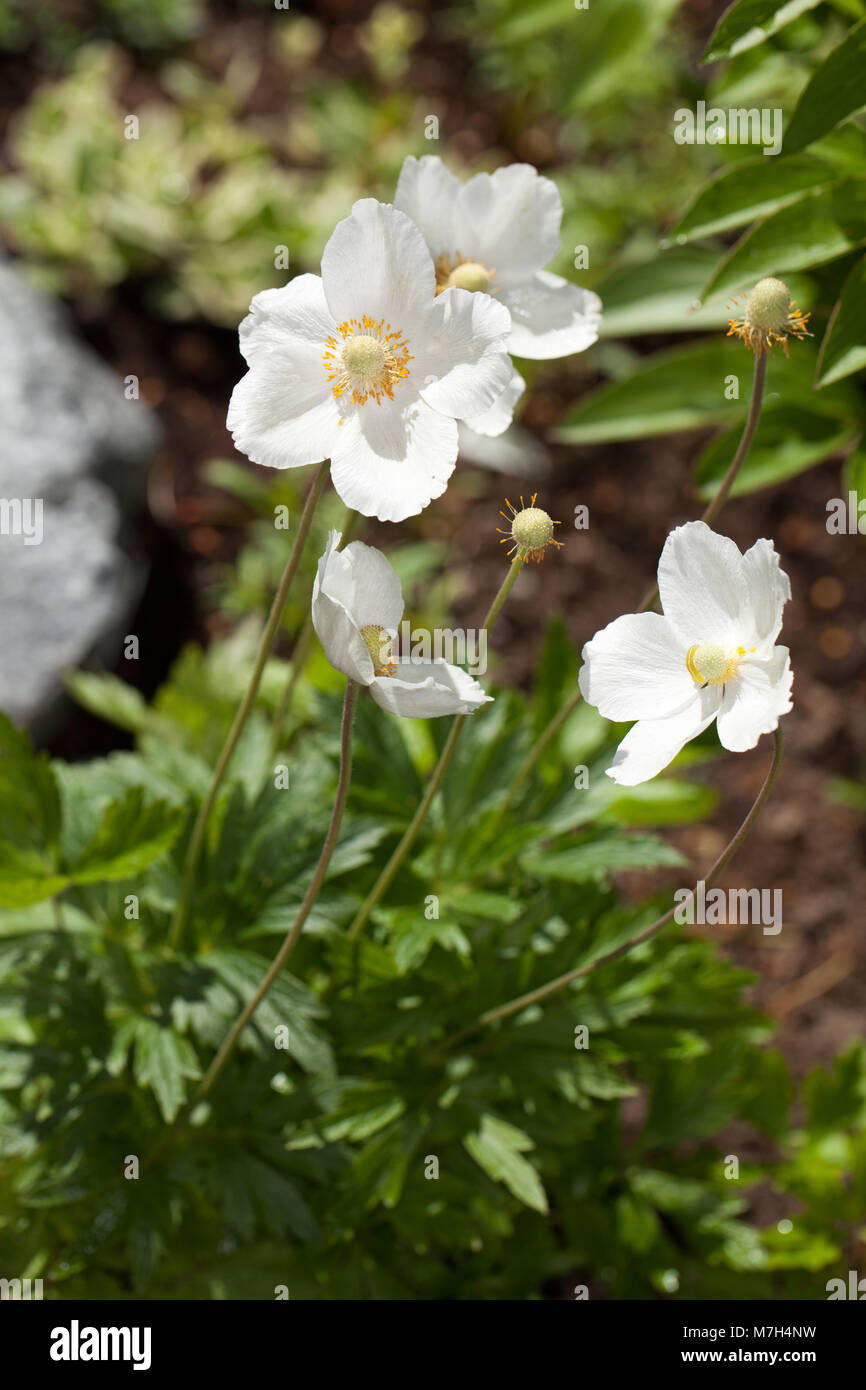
(257, 127)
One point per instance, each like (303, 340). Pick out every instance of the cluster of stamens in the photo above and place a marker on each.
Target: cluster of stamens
(530, 531)
(459, 272)
(365, 358)
(709, 664)
(377, 640)
(769, 317)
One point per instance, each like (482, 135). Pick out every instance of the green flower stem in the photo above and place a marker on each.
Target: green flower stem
(197, 839)
(650, 598)
(543, 991)
(230, 1041)
(303, 645)
(384, 880)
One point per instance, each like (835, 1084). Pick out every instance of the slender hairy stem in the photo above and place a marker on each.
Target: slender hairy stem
(383, 881)
(197, 839)
(515, 1005)
(229, 1042)
(303, 645)
(649, 599)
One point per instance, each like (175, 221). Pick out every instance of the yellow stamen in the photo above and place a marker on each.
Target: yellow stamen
(460, 272)
(366, 358)
(377, 640)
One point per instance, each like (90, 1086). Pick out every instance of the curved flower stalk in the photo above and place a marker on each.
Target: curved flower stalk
(199, 831)
(301, 652)
(535, 996)
(232, 1038)
(357, 607)
(368, 364)
(530, 535)
(709, 514)
(357, 604)
(710, 655)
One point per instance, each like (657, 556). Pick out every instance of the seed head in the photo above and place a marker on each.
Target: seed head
(769, 317)
(531, 531)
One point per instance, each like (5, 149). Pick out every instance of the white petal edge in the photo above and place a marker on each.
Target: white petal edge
(288, 321)
(651, 744)
(391, 463)
(755, 701)
(496, 420)
(463, 365)
(509, 220)
(334, 625)
(427, 690)
(550, 317)
(769, 589)
(376, 262)
(635, 668)
(702, 585)
(427, 192)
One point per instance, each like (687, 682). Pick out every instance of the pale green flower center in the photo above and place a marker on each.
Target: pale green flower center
(364, 356)
(377, 640)
(710, 664)
(532, 529)
(364, 359)
(470, 275)
(769, 305)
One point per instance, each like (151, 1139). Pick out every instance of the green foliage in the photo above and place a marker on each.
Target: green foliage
(800, 214)
(313, 1161)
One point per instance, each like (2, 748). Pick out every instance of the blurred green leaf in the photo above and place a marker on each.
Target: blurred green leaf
(677, 390)
(749, 22)
(789, 439)
(110, 698)
(834, 92)
(164, 1061)
(815, 230)
(498, 1148)
(131, 835)
(843, 350)
(661, 295)
(598, 858)
(752, 188)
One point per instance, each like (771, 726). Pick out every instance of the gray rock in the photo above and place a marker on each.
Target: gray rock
(70, 441)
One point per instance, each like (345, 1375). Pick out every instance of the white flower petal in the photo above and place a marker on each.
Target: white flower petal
(651, 744)
(702, 585)
(509, 220)
(769, 589)
(427, 192)
(635, 668)
(550, 317)
(753, 703)
(390, 463)
(364, 581)
(496, 420)
(282, 414)
(427, 689)
(335, 626)
(287, 323)
(376, 262)
(462, 366)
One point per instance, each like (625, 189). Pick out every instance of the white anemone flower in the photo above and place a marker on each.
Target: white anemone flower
(365, 365)
(495, 234)
(357, 608)
(712, 654)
